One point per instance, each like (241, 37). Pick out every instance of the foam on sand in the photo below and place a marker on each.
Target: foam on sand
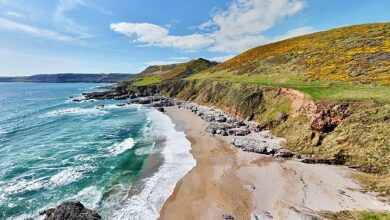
(157, 188)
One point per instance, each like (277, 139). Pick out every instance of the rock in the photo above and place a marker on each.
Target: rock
(337, 160)
(161, 109)
(121, 105)
(212, 128)
(220, 118)
(241, 131)
(327, 118)
(70, 211)
(121, 97)
(249, 145)
(263, 216)
(283, 153)
(227, 216)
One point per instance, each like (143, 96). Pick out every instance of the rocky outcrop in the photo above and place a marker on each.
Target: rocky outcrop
(327, 117)
(70, 211)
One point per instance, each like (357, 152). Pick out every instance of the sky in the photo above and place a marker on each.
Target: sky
(126, 36)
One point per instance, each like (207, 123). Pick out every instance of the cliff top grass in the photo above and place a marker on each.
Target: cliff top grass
(345, 63)
(317, 90)
(160, 73)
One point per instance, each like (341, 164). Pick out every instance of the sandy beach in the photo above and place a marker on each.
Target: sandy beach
(241, 184)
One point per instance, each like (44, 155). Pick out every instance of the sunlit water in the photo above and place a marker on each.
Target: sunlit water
(121, 161)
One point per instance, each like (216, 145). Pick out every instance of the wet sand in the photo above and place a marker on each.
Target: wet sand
(227, 180)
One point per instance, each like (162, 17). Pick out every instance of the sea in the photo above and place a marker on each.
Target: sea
(121, 160)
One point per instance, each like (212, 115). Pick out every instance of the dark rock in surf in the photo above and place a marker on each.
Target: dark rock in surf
(70, 211)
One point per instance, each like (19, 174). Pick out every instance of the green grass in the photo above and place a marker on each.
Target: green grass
(357, 215)
(149, 80)
(373, 216)
(317, 90)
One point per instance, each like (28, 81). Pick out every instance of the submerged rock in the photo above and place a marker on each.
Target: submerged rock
(70, 211)
(227, 216)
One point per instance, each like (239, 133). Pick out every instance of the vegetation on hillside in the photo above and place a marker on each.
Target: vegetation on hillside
(349, 65)
(161, 73)
(358, 53)
(357, 215)
(341, 64)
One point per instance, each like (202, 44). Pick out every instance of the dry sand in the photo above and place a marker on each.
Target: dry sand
(227, 180)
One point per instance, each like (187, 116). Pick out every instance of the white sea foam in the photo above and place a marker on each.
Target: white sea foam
(125, 145)
(2, 131)
(23, 185)
(77, 111)
(177, 162)
(90, 196)
(143, 151)
(68, 175)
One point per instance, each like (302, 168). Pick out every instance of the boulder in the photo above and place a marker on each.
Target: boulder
(161, 109)
(240, 131)
(283, 153)
(70, 211)
(212, 128)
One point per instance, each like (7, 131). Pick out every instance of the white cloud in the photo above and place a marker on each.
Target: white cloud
(242, 26)
(14, 14)
(10, 25)
(179, 58)
(154, 35)
(294, 33)
(239, 28)
(66, 23)
(159, 62)
(222, 58)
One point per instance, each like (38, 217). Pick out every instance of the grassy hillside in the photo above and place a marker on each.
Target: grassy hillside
(161, 73)
(340, 64)
(342, 69)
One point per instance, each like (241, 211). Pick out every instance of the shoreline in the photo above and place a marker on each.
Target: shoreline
(227, 181)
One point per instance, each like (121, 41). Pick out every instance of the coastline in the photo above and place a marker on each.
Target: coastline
(241, 184)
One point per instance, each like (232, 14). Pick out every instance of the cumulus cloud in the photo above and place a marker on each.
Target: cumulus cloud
(222, 58)
(155, 35)
(239, 28)
(10, 25)
(179, 58)
(159, 62)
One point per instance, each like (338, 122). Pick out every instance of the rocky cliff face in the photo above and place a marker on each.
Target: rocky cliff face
(308, 126)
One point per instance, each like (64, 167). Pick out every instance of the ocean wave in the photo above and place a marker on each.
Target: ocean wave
(90, 196)
(19, 186)
(177, 162)
(68, 175)
(77, 111)
(120, 148)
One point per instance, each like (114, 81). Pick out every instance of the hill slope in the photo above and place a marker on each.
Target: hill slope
(327, 94)
(345, 63)
(70, 78)
(161, 73)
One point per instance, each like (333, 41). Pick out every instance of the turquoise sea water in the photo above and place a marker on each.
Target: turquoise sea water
(121, 161)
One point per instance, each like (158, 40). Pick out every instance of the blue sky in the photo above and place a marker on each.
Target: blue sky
(96, 36)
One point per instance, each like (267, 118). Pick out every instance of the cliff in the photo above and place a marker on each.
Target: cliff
(327, 93)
